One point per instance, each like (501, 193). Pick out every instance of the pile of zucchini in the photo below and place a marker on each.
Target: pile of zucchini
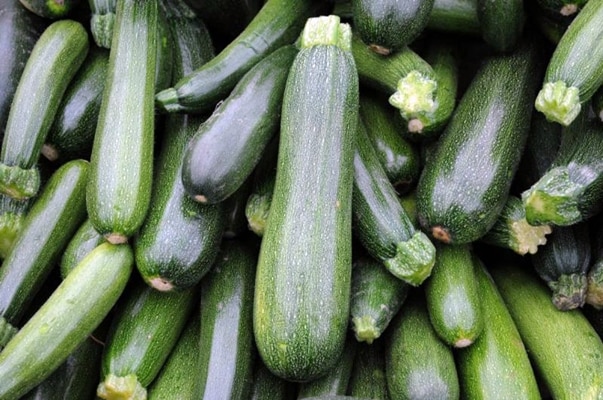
(311, 199)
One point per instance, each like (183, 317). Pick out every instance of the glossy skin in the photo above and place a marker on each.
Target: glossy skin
(83, 241)
(501, 23)
(454, 16)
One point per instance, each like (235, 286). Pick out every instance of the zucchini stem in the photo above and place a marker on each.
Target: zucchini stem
(121, 388)
(19, 183)
(365, 329)
(415, 98)
(414, 259)
(325, 31)
(167, 101)
(569, 291)
(10, 226)
(7, 331)
(558, 102)
(594, 290)
(101, 27)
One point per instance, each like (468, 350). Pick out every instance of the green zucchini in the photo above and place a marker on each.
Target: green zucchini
(496, 366)
(368, 372)
(77, 307)
(564, 91)
(144, 329)
(303, 281)
(387, 26)
(418, 364)
(72, 131)
(102, 20)
(229, 144)
(501, 23)
(267, 386)
(563, 346)
(52, 64)
(226, 346)
(12, 214)
(279, 22)
(452, 296)
(234, 206)
(83, 241)
(398, 156)
(377, 296)
(456, 16)
(49, 225)
(563, 264)
(51, 9)
(381, 223)
(594, 288)
(19, 32)
(465, 183)
(165, 46)
(174, 381)
(597, 103)
(121, 163)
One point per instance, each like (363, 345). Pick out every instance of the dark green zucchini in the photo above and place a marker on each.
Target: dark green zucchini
(144, 329)
(452, 296)
(267, 386)
(594, 289)
(52, 64)
(49, 225)
(12, 214)
(121, 163)
(512, 230)
(465, 183)
(496, 366)
(398, 156)
(303, 282)
(388, 26)
(456, 16)
(83, 241)
(19, 32)
(563, 346)
(102, 20)
(51, 9)
(563, 91)
(563, 264)
(501, 23)
(228, 145)
(377, 296)
(72, 312)
(72, 131)
(418, 364)
(381, 223)
(234, 209)
(165, 47)
(279, 22)
(368, 372)
(226, 346)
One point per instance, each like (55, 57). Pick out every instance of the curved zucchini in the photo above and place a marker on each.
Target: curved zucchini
(121, 163)
(102, 20)
(228, 145)
(83, 241)
(49, 225)
(368, 372)
(564, 91)
(501, 23)
(78, 305)
(52, 64)
(466, 181)
(279, 22)
(303, 281)
(51, 9)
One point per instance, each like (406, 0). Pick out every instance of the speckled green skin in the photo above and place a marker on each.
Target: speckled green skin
(102, 20)
(563, 345)
(466, 181)
(454, 16)
(302, 296)
(501, 23)
(51, 9)
(368, 374)
(83, 241)
(496, 365)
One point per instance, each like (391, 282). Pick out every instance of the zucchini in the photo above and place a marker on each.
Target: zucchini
(563, 91)
(452, 296)
(72, 312)
(418, 364)
(597, 103)
(368, 372)
(501, 23)
(563, 346)
(226, 347)
(121, 163)
(278, 22)
(594, 288)
(51, 9)
(83, 241)
(49, 225)
(234, 206)
(398, 157)
(267, 386)
(12, 214)
(102, 20)
(144, 329)
(456, 16)
(165, 46)
(303, 281)
(72, 131)
(224, 151)
(377, 296)
(466, 181)
(387, 26)
(381, 223)
(52, 64)
(496, 366)
(19, 32)
(563, 264)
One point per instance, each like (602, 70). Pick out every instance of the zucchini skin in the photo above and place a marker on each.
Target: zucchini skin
(12, 214)
(465, 182)
(78, 305)
(102, 20)
(226, 346)
(501, 23)
(49, 225)
(303, 281)
(143, 332)
(418, 364)
(452, 296)
(121, 162)
(53, 9)
(458, 16)
(229, 144)
(563, 346)
(277, 23)
(72, 131)
(267, 386)
(19, 32)
(52, 64)
(368, 372)
(387, 26)
(83, 241)
(496, 365)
